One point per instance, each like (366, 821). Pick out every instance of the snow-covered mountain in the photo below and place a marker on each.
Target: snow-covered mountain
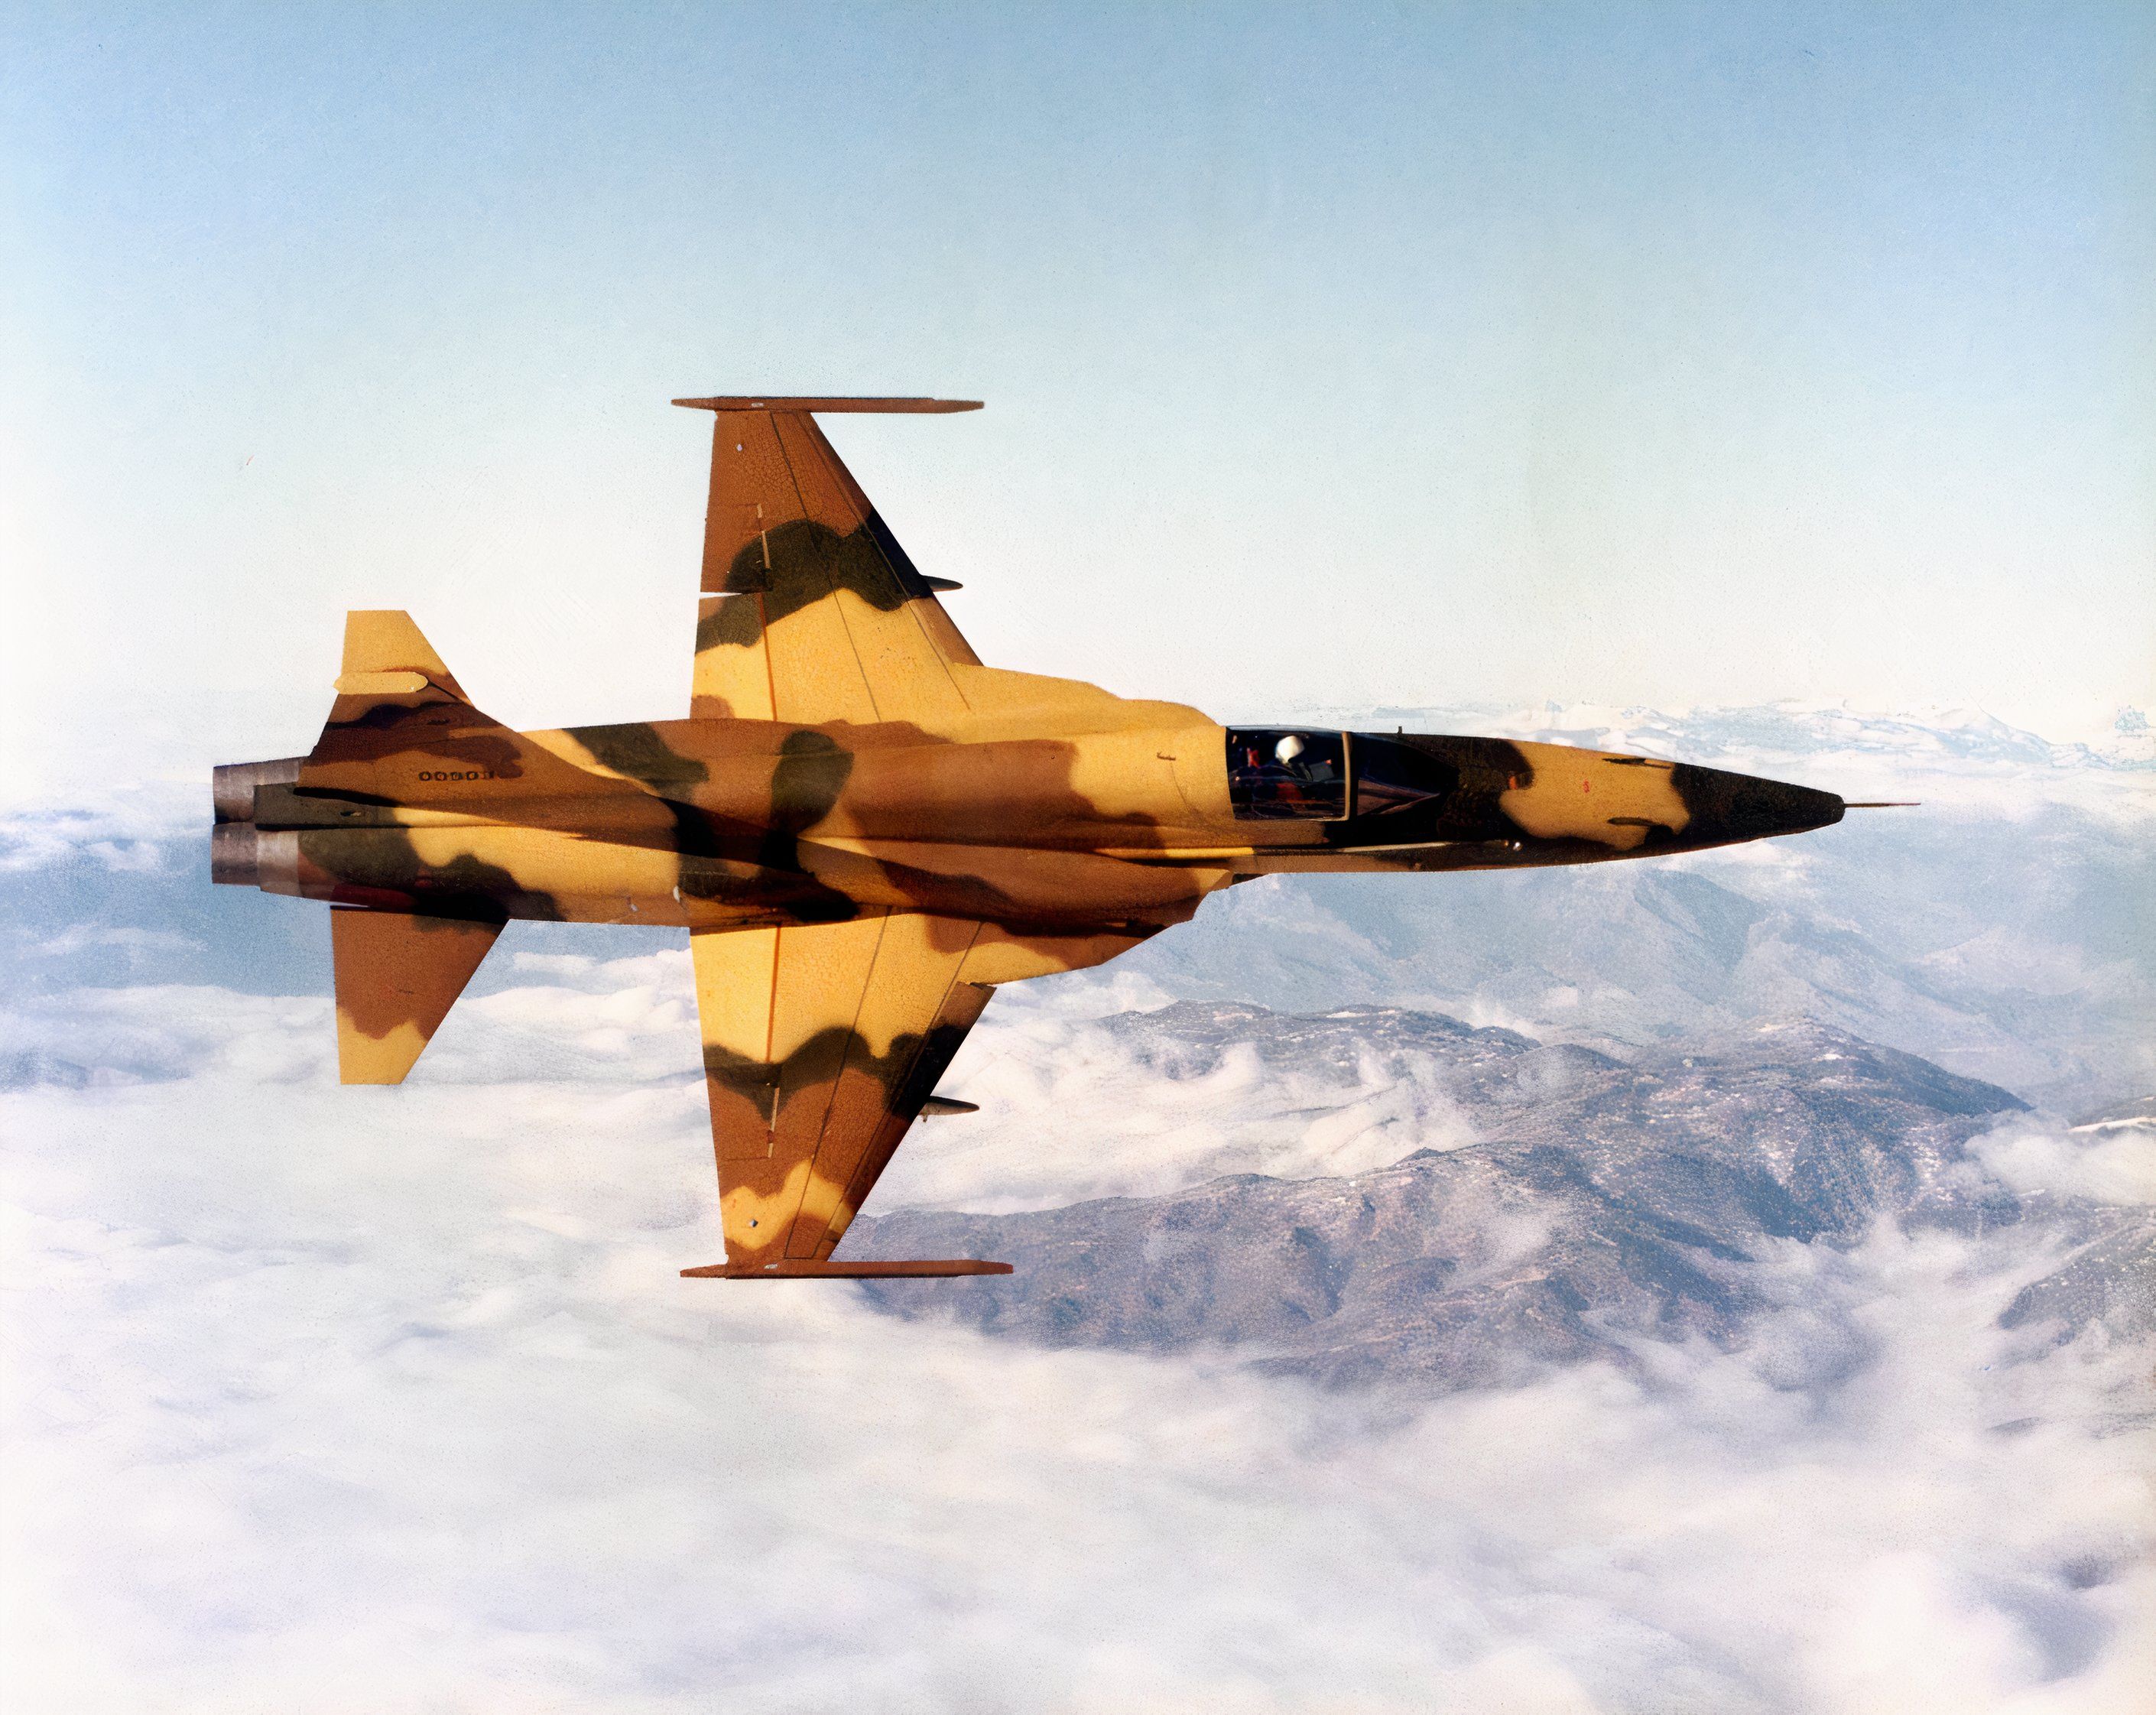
(1603, 1205)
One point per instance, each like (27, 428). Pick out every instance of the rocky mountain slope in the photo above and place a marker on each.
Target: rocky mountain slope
(1659, 1198)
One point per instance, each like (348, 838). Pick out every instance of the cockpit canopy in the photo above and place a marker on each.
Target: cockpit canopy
(1279, 773)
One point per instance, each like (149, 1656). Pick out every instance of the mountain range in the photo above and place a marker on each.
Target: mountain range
(1612, 1202)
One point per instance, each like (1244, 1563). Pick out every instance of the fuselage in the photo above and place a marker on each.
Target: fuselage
(708, 822)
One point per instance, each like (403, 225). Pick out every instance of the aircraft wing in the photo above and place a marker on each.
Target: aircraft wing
(811, 610)
(821, 1043)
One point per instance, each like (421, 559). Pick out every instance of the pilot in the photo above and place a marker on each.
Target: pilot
(1288, 754)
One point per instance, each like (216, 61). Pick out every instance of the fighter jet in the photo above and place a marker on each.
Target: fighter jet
(863, 829)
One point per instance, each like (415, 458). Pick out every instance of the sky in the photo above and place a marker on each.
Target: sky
(1408, 356)
(1655, 354)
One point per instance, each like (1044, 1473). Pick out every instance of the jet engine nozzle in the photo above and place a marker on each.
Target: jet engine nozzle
(235, 842)
(232, 785)
(234, 860)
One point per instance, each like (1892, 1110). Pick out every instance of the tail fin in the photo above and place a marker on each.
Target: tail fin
(385, 655)
(397, 975)
(402, 730)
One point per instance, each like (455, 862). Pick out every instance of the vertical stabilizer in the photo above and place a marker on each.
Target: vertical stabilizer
(383, 643)
(402, 731)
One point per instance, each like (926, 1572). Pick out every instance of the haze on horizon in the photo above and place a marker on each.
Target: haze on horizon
(1658, 355)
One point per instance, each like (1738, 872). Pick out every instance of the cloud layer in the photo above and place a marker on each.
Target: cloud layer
(392, 1400)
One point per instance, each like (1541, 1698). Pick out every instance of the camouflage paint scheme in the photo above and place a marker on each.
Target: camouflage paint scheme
(863, 829)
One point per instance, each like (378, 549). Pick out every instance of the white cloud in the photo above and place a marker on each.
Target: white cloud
(2112, 1163)
(386, 1400)
(1070, 1110)
(133, 1035)
(130, 827)
(78, 937)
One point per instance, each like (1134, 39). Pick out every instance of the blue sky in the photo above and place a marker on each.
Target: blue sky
(1418, 355)
(1656, 354)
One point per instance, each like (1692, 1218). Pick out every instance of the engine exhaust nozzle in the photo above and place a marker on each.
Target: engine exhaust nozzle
(233, 860)
(232, 785)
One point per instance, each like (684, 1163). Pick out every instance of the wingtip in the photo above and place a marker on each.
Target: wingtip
(829, 1269)
(789, 402)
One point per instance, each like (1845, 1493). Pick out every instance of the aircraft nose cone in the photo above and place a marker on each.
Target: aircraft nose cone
(1727, 807)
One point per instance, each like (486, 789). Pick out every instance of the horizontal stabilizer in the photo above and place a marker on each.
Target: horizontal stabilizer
(803, 1269)
(771, 402)
(811, 610)
(397, 977)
